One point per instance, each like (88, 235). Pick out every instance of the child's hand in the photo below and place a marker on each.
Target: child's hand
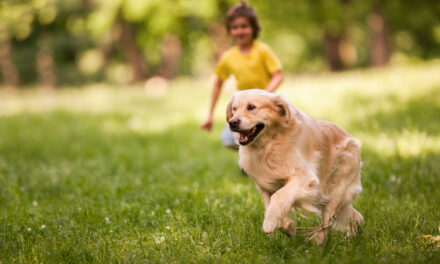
(207, 126)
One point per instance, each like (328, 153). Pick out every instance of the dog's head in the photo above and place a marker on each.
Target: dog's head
(252, 112)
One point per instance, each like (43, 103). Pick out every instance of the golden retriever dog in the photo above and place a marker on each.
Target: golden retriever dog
(296, 162)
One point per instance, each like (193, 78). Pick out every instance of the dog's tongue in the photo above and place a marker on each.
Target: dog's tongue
(245, 134)
(243, 137)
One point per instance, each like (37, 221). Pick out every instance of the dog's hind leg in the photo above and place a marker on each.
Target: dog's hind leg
(331, 211)
(348, 219)
(345, 215)
(343, 186)
(327, 221)
(356, 220)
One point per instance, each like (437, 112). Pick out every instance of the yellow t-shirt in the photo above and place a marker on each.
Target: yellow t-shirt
(252, 70)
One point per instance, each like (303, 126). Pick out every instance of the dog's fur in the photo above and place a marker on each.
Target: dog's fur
(297, 161)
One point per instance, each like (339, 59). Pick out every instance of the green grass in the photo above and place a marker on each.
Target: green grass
(106, 174)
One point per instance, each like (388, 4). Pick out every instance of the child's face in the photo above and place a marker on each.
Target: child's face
(241, 30)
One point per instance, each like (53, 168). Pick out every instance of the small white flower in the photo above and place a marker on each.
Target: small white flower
(168, 211)
(34, 203)
(43, 227)
(204, 234)
(29, 229)
(228, 250)
(107, 220)
(159, 240)
(167, 227)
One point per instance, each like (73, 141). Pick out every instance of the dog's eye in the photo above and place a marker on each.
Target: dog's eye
(250, 107)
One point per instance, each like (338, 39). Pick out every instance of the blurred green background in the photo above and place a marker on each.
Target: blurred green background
(58, 42)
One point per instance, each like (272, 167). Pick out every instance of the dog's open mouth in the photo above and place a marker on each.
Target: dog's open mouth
(246, 136)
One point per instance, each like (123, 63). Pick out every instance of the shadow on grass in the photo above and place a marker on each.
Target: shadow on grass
(402, 177)
(405, 177)
(395, 184)
(391, 114)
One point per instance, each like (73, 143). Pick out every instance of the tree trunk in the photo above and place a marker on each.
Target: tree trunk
(131, 52)
(45, 64)
(332, 42)
(379, 38)
(171, 54)
(7, 66)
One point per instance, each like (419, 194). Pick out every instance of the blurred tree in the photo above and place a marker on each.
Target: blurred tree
(352, 32)
(412, 24)
(379, 37)
(7, 65)
(126, 42)
(46, 12)
(44, 61)
(15, 21)
(77, 41)
(323, 24)
(171, 50)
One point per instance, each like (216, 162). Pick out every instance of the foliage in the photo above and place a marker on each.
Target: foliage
(105, 174)
(87, 30)
(294, 28)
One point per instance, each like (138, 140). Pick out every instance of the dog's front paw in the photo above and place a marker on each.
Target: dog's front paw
(270, 224)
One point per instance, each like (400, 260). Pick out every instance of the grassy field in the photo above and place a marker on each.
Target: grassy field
(107, 174)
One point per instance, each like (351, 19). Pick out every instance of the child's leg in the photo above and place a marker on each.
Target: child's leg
(228, 139)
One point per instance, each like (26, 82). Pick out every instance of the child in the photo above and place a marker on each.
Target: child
(253, 63)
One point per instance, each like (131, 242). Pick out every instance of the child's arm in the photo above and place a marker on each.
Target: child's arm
(275, 81)
(207, 125)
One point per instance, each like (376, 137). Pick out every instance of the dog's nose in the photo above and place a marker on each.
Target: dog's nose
(234, 123)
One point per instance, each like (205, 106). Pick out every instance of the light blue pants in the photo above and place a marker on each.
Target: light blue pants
(228, 139)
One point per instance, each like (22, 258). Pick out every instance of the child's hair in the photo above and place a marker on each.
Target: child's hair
(242, 9)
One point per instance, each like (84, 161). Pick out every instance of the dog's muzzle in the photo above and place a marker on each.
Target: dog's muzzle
(246, 135)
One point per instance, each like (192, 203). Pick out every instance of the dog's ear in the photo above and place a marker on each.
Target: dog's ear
(229, 108)
(282, 107)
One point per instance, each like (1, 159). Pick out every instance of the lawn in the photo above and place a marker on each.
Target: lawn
(107, 174)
